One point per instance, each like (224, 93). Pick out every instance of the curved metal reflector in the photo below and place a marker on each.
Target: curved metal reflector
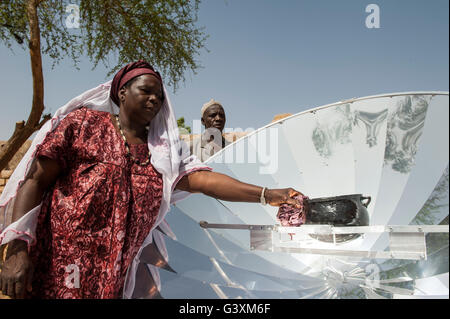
(393, 148)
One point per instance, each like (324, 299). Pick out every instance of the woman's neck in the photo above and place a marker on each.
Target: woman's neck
(134, 131)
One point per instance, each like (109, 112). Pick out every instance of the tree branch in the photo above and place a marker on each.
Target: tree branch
(24, 130)
(44, 120)
(36, 64)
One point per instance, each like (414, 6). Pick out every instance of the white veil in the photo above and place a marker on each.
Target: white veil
(170, 157)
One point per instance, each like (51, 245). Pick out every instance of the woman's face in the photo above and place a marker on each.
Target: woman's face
(142, 100)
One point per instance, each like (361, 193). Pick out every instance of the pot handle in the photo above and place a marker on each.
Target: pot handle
(368, 198)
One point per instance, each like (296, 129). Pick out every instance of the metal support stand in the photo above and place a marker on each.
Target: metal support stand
(405, 242)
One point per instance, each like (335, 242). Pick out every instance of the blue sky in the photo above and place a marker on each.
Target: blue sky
(268, 57)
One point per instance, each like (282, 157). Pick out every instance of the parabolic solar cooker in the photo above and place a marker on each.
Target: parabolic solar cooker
(376, 167)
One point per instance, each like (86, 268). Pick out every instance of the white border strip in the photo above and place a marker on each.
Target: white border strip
(315, 109)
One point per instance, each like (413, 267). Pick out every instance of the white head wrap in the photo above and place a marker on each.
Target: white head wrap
(170, 157)
(208, 104)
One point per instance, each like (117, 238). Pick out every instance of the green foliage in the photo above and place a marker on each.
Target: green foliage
(183, 128)
(163, 32)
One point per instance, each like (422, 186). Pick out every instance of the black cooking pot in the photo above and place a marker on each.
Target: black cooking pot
(339, 211)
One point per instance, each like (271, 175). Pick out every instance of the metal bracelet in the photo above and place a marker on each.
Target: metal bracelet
(263, 198)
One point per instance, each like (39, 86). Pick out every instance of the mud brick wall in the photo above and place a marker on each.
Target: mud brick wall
(6, 173)
(4, 177)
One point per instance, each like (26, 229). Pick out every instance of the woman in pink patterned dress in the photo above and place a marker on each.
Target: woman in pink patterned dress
(102, 195)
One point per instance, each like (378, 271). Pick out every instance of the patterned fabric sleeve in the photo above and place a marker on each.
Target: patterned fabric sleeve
(57, 144)
(188, 165)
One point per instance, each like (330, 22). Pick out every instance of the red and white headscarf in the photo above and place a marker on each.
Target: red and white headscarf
(170, 157)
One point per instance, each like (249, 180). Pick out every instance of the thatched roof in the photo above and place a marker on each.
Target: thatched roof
(280, 116)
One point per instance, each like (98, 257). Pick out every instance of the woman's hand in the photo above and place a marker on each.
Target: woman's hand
(17, 271)
(277, 197)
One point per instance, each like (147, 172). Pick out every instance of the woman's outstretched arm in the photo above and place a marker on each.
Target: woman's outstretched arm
(226, 188)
